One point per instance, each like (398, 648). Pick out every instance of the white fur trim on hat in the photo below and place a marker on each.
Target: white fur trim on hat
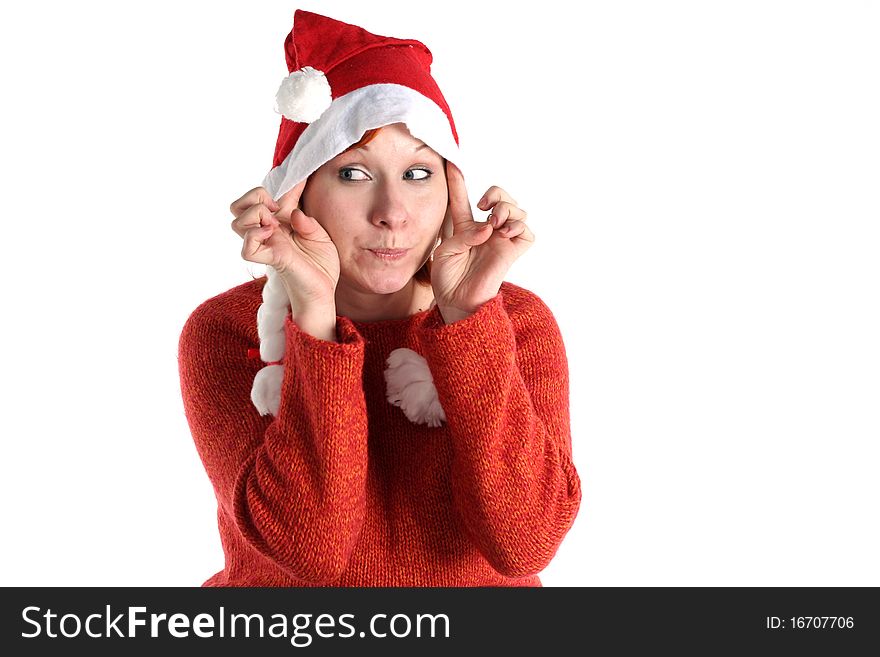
(303, 95)
(410, 386)
(349, 117)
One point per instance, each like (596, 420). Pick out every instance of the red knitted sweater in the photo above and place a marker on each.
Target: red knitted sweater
(341, 489)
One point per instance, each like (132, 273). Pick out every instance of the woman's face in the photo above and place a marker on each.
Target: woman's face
(387, 195)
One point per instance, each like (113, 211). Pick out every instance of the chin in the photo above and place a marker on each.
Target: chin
(386, 283)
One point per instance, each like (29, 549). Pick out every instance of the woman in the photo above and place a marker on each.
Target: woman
(410, 425)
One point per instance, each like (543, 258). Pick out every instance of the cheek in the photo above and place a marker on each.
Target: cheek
(433, 207)
(331, 217)
(437, 212)
(339, 235)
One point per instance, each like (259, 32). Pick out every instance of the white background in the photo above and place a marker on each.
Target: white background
(702, 179)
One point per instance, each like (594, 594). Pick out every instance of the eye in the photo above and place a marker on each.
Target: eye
(352, 175)
(348, 173)
(427, 175)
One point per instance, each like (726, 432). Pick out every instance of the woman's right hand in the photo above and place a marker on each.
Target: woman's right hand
(282, 236)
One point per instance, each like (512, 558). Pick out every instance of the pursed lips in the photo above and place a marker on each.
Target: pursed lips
(389, 251)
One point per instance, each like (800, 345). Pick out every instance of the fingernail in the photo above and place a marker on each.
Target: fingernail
(491, 219)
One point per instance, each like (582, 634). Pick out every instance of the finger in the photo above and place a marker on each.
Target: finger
(459, 205)
(504, 212)
(254, 248)
(253, 217)
(254, 196)
(463, 241)
(307, 227)
(492, 196)
(289, 200)
(517, 229)
(512, 229)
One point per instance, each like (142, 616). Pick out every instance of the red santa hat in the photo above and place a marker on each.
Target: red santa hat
(344, 81)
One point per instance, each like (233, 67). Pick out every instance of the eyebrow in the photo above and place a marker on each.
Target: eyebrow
(366, 147)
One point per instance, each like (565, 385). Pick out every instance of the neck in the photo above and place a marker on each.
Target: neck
(367, 307)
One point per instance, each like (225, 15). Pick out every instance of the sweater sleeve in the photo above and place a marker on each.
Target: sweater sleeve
(502, 380)
(294, 484)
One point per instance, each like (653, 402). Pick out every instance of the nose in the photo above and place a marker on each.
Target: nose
(389, 207)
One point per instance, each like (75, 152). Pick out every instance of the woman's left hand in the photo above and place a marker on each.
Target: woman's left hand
(469, 266)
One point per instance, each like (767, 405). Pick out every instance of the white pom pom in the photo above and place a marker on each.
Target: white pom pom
(266, 391)
(410, 386)
(303, 95)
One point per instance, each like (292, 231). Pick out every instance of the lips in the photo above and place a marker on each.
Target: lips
(389, 252)
(389, 255)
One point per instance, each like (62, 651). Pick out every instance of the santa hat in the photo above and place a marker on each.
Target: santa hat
(344, 81)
